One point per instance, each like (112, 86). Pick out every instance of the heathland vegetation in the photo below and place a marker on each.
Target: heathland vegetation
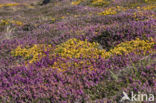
(80, 51)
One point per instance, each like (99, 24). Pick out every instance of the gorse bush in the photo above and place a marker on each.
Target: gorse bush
(75, 48)
(8, 22)
(136, 46)
(9, 4)
(33, 54)
(79, 51)
(91, 2)
(99, 2)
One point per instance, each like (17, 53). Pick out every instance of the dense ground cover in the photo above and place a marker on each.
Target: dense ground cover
(81, 51)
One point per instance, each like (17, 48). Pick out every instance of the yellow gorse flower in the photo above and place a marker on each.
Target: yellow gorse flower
(75, 48)
(149, 7)
(77, 2)
(109, 11)
(8, 21)
(149, 1)
(141, 11)
(8, 5)
(112, 10)
(33, 54)
(100, 2)
(53, 19)
(4, 22)
(136, 46)
(92, 2)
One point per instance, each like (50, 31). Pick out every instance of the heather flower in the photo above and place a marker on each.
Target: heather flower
(71, 54)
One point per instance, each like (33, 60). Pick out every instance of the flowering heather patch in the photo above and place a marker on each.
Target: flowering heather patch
(80, 51)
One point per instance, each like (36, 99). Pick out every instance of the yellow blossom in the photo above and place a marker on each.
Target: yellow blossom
(76, 48)
(9, 4)
(33, 54)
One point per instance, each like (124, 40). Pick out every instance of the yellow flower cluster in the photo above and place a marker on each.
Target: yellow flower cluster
(53, 19)
(33, 54)
(92, 2)
(75, 48)
(109, 11)
(140, 11)
(77, 2)
(134, 46)
(7, 21)
(112, 10)
(149, 7)
(149, 1)
(100, 2)
(7, 5)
